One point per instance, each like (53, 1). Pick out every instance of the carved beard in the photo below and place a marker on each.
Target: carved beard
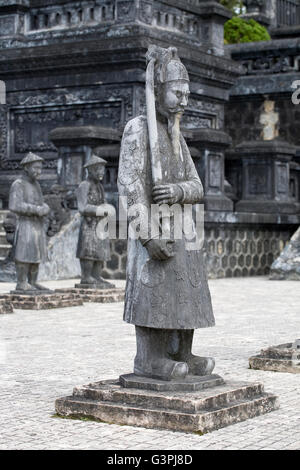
(174, 132)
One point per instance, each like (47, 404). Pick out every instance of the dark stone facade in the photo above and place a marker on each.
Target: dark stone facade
(81, 65)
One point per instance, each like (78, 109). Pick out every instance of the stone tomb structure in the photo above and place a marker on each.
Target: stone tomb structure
(81, 66)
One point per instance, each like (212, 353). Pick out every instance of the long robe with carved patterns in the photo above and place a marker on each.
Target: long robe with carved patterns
(90, 246)
(25, 197)
(173, 293)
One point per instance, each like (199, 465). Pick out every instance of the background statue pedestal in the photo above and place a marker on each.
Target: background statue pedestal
(41, 301)
(5, 306)
(89, 294)
(281, 358)
(197, 411)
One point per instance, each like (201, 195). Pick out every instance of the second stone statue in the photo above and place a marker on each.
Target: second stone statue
(92, 249)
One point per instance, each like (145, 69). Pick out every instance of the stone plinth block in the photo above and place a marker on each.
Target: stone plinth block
(96, 295)
(281, 358)
(191, 411)
(43, 301)
(5, 306)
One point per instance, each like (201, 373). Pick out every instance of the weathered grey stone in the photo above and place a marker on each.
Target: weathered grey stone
(287, 265)
(27, 202)
(89, 294)
(167, 294)
(202, 411)
(43, 301)
(282, 358)
(61, 261)
(92, 248)
(189, 384)
(5, 306)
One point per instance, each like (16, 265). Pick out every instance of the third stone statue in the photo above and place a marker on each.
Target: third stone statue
(167, 294)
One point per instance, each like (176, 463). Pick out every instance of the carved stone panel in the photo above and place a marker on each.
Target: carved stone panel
(215, 171)
(258, 179)
(7, 25)
(3, 132)
(146, 12)
(33, 125)
(282, 178)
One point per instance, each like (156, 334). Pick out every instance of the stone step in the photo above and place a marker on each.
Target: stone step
(189, 403)
(3, 240)
(4, 250)
(3, 214)
(201, 411)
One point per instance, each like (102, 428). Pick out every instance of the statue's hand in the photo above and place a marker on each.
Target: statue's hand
(167, 193)
(160, 249)
(46, 209)
(43, 210)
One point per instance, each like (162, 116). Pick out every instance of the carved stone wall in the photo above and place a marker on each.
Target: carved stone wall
(231, 250)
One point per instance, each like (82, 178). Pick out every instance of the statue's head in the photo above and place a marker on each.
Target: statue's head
(32, 165)
(171, 81)
(95, 167)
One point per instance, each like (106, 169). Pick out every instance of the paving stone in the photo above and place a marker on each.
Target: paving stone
(43, 357)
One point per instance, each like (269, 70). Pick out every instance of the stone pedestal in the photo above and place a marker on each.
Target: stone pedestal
(95, 295)
(281, 358)
(199, 404)
(207, 148)
(287, 265)
(42, 301)
(265, 176)
(5, 306)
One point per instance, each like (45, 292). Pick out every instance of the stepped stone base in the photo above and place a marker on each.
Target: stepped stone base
(281, 358)
(95, 295)
(201, 411)
(5, 306)
(41, 301)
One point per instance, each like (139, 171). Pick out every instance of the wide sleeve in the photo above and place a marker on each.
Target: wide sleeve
(16, 201)
(192, 188)
(84, 208)
(134, 178)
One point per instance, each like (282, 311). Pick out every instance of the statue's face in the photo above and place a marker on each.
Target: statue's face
(34, 170)
(174, 97)
(96, 172)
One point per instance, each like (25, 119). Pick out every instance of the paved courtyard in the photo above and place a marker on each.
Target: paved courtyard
(44, 354)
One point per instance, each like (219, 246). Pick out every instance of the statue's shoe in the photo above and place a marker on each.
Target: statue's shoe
(163, 369)
(25, 286)
(89, 280)
(39, 287)
(106, 285)
(200, 365)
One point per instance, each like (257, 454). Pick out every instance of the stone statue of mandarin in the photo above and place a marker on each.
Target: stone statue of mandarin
(27, 202)
(92, 250)
(167, 294)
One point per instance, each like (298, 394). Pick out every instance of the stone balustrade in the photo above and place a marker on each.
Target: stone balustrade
(68, 16)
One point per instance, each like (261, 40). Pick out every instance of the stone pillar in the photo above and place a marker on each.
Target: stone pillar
(12, 17)
(214, 17)
(75, 146)
(265, 178)
(262, 11)
(295, 183)
(210, 145)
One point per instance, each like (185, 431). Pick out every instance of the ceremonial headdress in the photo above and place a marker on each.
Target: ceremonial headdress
(31, 158)
(94, 160)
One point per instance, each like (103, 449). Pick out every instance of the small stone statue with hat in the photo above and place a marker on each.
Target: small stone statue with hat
(92, 250)
(27, 202)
